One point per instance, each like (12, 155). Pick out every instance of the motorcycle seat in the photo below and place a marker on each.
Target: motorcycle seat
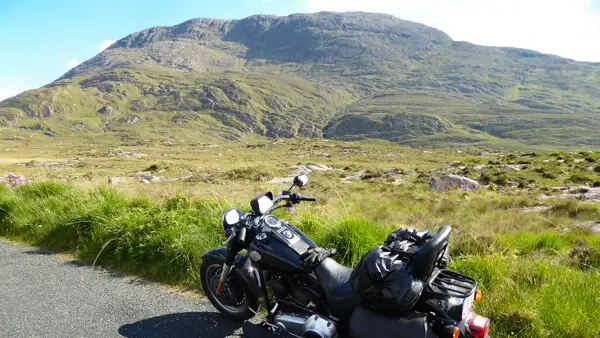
(335, 281)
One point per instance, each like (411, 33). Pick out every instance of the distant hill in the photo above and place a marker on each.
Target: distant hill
(349, 76)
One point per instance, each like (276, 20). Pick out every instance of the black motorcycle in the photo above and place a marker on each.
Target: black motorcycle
(263, 263)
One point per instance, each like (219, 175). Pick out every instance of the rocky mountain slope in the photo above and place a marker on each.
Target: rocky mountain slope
(346, 76)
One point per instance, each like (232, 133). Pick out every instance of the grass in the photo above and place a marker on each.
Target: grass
(538, 270)
(531, 286)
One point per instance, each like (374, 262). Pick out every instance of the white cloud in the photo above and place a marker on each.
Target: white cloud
(11, 86)
(105, 44)
(74, 63)
(5, 93)
(568, 28)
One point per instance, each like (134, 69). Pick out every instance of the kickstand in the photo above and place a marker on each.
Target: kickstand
(260, 330)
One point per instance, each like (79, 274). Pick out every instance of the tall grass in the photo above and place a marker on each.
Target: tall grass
(535, 282)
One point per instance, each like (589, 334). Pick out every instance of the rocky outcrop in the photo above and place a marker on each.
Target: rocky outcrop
(129, 119)
(394, 127)
(106, 110)
(590, 194)
(450, 182)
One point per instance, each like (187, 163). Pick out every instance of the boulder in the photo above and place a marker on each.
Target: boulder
(354, 176)
(282, 180)
(129, 120)
(449, 182)
(591, 226)
(117, 179)
(304, 169)
(515, 167)
(106, 110)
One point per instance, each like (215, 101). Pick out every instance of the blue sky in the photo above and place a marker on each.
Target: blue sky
(42, 39)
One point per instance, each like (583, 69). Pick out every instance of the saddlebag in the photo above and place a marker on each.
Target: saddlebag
(384, 277)
(366, 323)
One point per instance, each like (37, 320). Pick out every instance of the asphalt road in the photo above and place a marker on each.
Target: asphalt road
(42, 295)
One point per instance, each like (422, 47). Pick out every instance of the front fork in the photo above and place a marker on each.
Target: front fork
(229, 261)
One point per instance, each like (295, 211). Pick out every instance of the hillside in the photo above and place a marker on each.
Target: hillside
(347, 76)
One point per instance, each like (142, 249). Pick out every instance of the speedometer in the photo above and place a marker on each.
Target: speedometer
(273, 222)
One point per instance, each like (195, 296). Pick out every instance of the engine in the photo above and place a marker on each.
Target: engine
(299, 290)
(311, 326)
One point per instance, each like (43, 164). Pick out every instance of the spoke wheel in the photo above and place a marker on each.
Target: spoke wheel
(232, 295)
(234, 300)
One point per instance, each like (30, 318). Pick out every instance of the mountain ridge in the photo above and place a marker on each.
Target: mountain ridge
(349, 76)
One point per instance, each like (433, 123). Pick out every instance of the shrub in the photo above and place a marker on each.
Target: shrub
(580, 178)
(353, 238)
(249, 174)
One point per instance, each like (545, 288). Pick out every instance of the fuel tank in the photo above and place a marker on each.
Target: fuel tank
(279, 245)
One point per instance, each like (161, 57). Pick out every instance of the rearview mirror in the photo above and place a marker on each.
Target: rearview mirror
(262, 203)
(300, 180)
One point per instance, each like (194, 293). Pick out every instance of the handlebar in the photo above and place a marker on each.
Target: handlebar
(307, 198)
(293, 198)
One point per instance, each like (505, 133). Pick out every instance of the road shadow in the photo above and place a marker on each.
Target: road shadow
(39, 252)
(187, 324)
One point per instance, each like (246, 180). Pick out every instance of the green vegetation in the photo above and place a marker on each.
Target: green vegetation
(538, 268)
(531, 286)
(347, 76)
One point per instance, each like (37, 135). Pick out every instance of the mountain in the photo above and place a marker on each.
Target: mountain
(348, 76)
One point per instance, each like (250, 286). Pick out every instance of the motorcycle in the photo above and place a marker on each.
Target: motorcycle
(261, 264)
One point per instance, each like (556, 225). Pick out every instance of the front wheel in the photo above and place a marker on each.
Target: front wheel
(234, 301)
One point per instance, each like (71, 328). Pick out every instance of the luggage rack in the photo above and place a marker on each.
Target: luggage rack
(447, 283)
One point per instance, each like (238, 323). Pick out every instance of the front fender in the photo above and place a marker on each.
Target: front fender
(220, 253)
(243, 270)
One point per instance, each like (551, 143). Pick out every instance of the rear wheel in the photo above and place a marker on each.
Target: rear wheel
(234, 300)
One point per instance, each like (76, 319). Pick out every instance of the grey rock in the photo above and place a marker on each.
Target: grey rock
(536, 208)
(398, 181)
(35, 127)
(282, 180)
(117, 179)
(392, 171)
(318, 167)
(357, 175)
(592, 226)
(47, 112)
(515, 167)
(304, 169)
(106, 110)
(207, 103)
(78, 126)
(129, 119)
(449, 182)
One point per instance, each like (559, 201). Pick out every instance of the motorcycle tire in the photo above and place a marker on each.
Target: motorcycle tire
(235, 301)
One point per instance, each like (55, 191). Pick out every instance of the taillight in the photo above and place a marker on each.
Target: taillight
(479, 326)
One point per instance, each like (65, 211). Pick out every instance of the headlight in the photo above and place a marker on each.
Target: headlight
(231, 218)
